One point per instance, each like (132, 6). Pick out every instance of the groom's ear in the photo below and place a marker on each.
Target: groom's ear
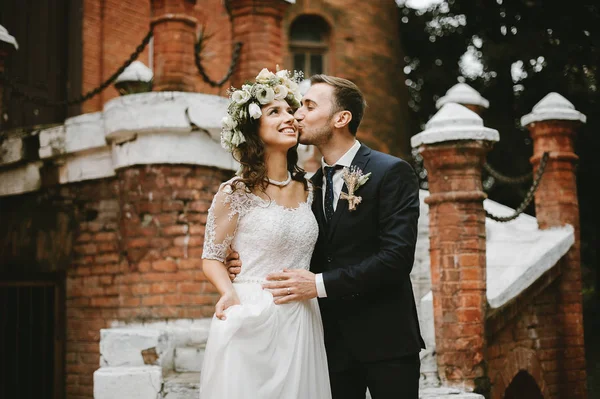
(342, 119)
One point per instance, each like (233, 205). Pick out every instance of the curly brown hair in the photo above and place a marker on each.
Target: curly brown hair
(251, 156)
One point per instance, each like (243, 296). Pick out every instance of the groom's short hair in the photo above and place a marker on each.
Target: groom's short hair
(347, 97)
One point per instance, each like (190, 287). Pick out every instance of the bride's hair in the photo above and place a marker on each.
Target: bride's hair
(251, 156)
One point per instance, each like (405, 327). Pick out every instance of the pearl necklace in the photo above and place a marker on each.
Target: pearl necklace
(281, 183)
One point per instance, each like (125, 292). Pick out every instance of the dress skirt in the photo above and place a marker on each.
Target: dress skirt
(265, 351)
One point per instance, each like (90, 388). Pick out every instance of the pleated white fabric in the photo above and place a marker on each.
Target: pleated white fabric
(262, 350)
(265, 351)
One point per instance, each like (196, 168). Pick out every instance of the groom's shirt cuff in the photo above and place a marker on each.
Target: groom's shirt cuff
(321, 292)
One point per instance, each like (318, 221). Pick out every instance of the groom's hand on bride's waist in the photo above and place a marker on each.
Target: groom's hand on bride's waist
(291, 285)
(233, 265)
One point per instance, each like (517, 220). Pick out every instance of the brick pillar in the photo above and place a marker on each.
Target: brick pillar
(258, 25)
(8, 44)
(454, 146)
(552, 125)
(463, 94)
(174, 38)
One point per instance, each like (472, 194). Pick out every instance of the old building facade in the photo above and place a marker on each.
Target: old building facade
(103, 202)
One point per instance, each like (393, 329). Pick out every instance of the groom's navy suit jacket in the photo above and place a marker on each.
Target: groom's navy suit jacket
(366, 256)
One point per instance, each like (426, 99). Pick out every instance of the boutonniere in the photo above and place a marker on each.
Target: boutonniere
(354, 179)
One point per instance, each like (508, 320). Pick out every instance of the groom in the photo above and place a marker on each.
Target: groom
(363, 257)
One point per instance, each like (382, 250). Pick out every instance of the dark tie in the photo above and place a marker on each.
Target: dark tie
(329, 172)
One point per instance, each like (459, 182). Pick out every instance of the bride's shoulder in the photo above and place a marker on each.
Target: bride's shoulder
(233, 186)
(234, 194)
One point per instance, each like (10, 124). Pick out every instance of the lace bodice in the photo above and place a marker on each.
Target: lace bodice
(268, 236)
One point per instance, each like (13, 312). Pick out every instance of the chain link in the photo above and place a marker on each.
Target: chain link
(234, 59)
(13, 84)
(507, 179)
(528, 197)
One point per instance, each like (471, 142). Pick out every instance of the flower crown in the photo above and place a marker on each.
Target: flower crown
(245, 103)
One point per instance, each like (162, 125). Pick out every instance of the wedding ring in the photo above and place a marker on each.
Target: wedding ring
(289, 291)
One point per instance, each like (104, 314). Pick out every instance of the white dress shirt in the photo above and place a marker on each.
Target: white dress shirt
(338, 183)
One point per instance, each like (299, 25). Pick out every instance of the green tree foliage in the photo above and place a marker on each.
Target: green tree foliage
(521, 50)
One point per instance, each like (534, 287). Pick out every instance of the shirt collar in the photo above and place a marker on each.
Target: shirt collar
(347, 158)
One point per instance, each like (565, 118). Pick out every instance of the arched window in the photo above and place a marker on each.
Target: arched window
(309, 36)
(523, 386)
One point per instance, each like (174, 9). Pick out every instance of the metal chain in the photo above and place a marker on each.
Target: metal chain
(507, 179)
(528, 197)
(12, 84)
(234, 59)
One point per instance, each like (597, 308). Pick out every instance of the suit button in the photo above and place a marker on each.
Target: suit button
(329, 259)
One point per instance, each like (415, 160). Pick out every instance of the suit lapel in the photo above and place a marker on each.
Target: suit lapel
(361, 159)
(317, 181)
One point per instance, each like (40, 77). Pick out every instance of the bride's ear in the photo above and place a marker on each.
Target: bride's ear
(342, 119)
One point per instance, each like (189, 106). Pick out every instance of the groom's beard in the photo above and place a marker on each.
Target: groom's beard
(314, 136)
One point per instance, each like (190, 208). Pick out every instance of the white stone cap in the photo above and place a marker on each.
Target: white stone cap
(137, 71)
(553, 107)
(462, 93)
(6, 37)
(454, 122)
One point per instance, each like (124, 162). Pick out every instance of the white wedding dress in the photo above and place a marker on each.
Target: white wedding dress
(263, 350)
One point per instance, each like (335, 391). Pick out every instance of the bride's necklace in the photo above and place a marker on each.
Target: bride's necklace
(281, 183)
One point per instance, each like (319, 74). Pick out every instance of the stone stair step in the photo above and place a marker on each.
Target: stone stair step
(120, 347)
(143, 382)
(181, 386)
(189, 358)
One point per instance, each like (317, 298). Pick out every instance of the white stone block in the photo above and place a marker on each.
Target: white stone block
(11, 150)
(169, 147)
(188, 359)
(86, 165)
(128, 382)
(20, 179)
(52, 142)
(84, 132)
(163, 111)
(120, 347)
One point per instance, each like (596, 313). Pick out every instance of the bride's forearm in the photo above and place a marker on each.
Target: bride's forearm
(217, 274)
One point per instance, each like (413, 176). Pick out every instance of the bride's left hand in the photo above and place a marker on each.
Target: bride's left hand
(291, 285)
(226, 301)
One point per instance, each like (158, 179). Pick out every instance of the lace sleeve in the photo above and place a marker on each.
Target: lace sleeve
(221, 223)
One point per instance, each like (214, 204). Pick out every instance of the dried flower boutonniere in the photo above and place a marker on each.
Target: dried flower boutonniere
(354, 179)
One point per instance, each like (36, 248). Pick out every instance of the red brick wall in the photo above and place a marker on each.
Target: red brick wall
(360, 50)
(138, 259)
(130, 247)
(529, 340)
(112, 30)
(365, 48)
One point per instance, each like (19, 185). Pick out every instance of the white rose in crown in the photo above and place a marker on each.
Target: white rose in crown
(281, 92)
(264, 76)
(228, 123)
(241, 96)
(265, 94)
(254, 111)
(354, 179)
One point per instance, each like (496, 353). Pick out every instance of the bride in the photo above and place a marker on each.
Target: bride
(255, 348)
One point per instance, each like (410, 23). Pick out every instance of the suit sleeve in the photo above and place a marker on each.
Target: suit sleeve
(397, 235)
